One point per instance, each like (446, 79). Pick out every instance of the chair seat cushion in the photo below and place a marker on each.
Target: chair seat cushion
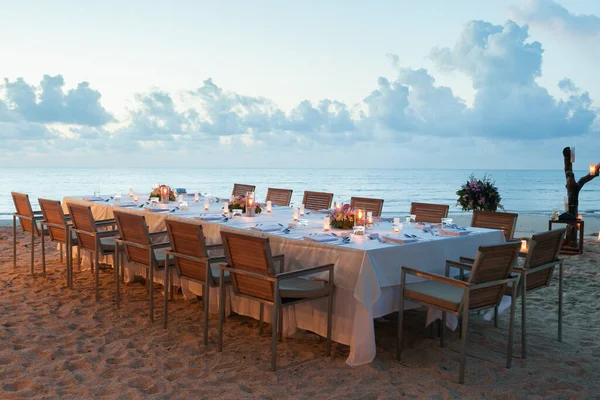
(435, 294)
(298, 288)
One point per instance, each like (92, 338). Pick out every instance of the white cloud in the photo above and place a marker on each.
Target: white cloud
(550, 14)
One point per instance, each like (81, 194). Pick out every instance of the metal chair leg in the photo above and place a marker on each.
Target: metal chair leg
(275, 324)
(14, 242)
(560, 299)
(496, 316)
(32, 246)
(442, 326)
(117, 280)
(166, 299)
(261, 316)
(206, 301)
(524, 316)
(400, 332)
(221, 310)
(97, 272)
(151, 286)
(329, 323)
(463, 344)
(513, 299)
(280, 325)
(43, 252)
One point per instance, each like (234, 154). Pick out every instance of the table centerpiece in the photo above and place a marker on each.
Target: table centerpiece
(342, 217)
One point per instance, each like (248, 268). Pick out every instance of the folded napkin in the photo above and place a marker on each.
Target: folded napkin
(421, 225)
(322, 238)
(93, 198)
(452, 232)
(319, 211)
(156, 209)
(397, 239)
(210, 217)
(266, 228)
(124, 205)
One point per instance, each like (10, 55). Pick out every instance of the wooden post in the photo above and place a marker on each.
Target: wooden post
(573, 189)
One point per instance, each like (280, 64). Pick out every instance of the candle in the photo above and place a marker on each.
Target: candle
(135, 198)
(396, 228)
(593, 169)
(206, 203)
(599, 236)
(130, 192)
(165, 191)
(338, 205)
(301, 209)
(397, 221)
(370, 218)
(327, 224)
(523, 246)
(579, 217)
(269, 206)
(180, 198)
(196, 197)
(295, 214)
(226, 209)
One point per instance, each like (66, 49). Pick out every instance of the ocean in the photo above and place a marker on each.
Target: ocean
(525, 191)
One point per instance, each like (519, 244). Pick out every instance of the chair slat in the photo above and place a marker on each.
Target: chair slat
(426, 212)
(83, 219)
(188, 238)
(240, 189)
(279, 197)
(53, 214)
(373, 205)
(317, 200)
(23, 208)
(133, 228)
(544, 248)
(506, 222)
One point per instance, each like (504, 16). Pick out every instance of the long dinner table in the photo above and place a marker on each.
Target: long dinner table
(366, 273)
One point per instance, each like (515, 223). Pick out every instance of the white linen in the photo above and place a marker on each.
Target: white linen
(367, 272)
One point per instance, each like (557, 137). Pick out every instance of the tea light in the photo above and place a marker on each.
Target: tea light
(165, 192)
(180, 198)
(327, 224)
(523, 246)
(301, 209)
(269, 206)
(250, 199)
(130, 192)
(196, 197)
(397, 221)
(295, 214)
(206, 203)
(396, 228)
(592, 169)
(135, 198)
(579, 217)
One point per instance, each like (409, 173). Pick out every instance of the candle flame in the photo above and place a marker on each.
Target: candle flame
(524, 246)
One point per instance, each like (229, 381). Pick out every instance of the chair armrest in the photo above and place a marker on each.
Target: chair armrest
(484, 285)
(219, 259)
(38, 212)
(466, 260)
(305, 271)
(160, 245)
(248, 273)
(105, 222)
(281, 259)
(462, 267)
(435, 277)
(51, 225)
(105, 234)
(213, 246)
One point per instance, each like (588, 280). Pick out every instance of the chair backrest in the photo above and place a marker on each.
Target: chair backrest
(426, 212)
(373, 205)
(317, 200)
(83, 219)
(252, 254)
(23, 208)
(133, 228)
(544, 248)
(279, 197)
(187, 238)
(492, 263)
(506, 222)
(239, 189)
(53, 214)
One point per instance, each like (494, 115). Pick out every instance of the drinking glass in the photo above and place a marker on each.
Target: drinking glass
(446, 222)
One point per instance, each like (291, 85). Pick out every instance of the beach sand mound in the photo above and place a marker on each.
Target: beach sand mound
(60, 343)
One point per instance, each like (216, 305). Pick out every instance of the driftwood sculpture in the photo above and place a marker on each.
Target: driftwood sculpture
(573, 188)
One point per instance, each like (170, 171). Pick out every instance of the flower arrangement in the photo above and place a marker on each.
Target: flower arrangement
(239, 203)
(479, 194)
(156, 192)
(342, 218)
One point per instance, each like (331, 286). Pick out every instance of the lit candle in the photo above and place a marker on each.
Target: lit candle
(165, 191)
(327, 224)
(269, 206)
(301, 209)
(523, 246)
(206, 203)
(396, 228)
(226, 209)
(599, 236)
(397, 221)
(135, 198)
(180, 198)
(295, 214)
(196, 197)
(579, 217)
(130, 192)
(592, 169)
(338, 205)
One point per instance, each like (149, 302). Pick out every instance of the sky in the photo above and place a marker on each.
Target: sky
(390, 84)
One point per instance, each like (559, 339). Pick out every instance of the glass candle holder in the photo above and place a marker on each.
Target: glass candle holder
(396, 228)
(523, 246)
(135, 198)
(130, 192)
(396, 220)
(301, 209)
(359, 217)
(369, 219)
(295, 214)
(269, 206)
(196, 197)
(327, 224)
(164, 194)
(206, 203)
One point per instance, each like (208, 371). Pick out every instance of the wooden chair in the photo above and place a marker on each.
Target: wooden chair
(506, 222)
(57, 224)
(426, 212)
(144, 248)
(29, 220)
(373, 205)
(190, 254)
(253, 276)
(239, 189)
(90, 237)
(536, 273)
(317, 200)
(279, 197)
(490, 275)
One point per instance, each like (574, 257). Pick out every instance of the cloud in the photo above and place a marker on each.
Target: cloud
(551, 15)
(50, 104)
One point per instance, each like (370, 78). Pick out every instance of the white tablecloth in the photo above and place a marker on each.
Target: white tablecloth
(367, 272)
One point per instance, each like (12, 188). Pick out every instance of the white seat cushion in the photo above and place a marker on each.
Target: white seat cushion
(435, 293)
(298, 288)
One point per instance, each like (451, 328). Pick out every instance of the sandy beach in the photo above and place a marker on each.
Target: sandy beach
(58, 343)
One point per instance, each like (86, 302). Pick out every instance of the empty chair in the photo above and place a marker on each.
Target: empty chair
(426, 212)
(317, 200)
(90, 237)
(239, 189)
(141, 247)
(190, 255)
(490, 275)
(29, 220)
(253, 276)
(506, 222)
(56, 223)
(279, 197)
(536, 273)
(373, 205)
